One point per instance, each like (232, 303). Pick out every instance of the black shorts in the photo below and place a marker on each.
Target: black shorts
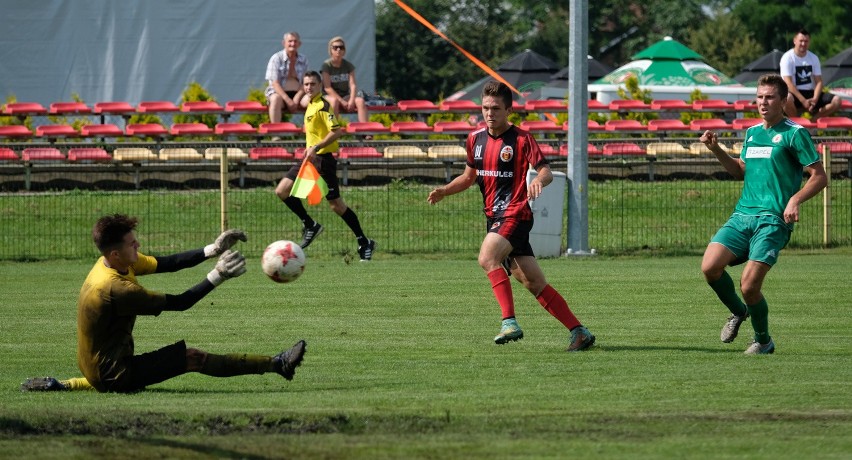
(326, 164)
(823, 100)
(149, 368)
(517, 232)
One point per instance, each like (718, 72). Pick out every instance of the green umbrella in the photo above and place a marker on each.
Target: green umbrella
(668, 63)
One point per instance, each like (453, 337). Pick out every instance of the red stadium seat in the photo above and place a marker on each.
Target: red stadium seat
(56, 131)
(667, 125)
(540, 126)
(235, 129)
(410, 127)
(546, 105)
(156, 106)
(41, 154)
(548, 150)
(285, 128)
(592, 125)
(115, 108)
(96, 154)
(461, 106)
(745, 105)
(670, 104)
(190, 129)
(7, 154)
(270, 153)
(740, 124)
(715, 105)
(623, 148)
(417, 105)
(597, 106)
(359, 152)
(834, 123)
(452, 127)
(245, 106)
(804, 122)
(299, 153)
(592, 148)
(10, 131)
(366, 128)
(64, 108)
(24, 109)
(105, 130)
(627, 105)
(146, 130)
(201, 106)
(836, 147)
(716, 124)
(625, 126)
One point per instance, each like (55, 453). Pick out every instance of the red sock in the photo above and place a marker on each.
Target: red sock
(556, 305)
(502, 287)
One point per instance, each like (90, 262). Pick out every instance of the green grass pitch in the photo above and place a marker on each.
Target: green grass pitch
(400, 364)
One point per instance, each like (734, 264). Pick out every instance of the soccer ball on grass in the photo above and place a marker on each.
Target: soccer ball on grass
(283, 261)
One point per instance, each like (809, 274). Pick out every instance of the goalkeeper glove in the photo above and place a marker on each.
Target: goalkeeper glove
(224, 242)
(231, 264)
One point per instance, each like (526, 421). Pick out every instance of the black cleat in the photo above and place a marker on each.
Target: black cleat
(309, 233)
(286, 362)
(366, 251)
(43, 384)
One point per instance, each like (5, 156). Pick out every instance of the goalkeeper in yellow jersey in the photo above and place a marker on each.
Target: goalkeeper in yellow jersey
(111, 298)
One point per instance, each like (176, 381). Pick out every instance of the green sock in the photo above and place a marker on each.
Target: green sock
(236, 364)
(760, 321)
(724, 288)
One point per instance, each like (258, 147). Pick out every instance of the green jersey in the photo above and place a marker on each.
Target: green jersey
(773, 159)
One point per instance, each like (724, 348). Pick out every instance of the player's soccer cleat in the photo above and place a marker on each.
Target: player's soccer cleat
(757, 348)
(366, 251)
(509, 332)
(286, 362)
(43, 384)
(581, 339)
(732, 327)
(309, 233)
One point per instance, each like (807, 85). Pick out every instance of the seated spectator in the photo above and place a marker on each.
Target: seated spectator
(284, 73)
(802, 72)
(338, 80)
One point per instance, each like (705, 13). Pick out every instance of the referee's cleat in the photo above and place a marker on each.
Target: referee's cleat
(366, 251)
(309, 233)
(509, 332)
(43, 384)
(732, 327)
(757, 348)
(581, 339)
(286, 362)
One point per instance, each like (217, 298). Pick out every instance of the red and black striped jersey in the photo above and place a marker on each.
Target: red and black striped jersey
(501, 165)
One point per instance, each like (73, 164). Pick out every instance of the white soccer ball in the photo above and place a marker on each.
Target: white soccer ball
(283, 261)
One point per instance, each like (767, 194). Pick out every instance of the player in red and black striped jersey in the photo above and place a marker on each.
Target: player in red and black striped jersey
(498, 157)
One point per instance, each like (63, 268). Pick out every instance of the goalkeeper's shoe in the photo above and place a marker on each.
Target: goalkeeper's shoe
(581, 339)
(43, 384)
(757, 348)
(309, 233)
(509, 332)
(732, 327)
(286, 362)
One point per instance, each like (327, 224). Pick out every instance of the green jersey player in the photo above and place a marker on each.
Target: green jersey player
(770, 164)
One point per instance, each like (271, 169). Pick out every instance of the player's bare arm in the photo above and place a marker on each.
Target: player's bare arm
(329, 138)
(459, 184)
(735, 167)
(816, 182)
(542, 179)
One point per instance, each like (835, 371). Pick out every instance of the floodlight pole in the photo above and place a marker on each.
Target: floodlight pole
(578, 113)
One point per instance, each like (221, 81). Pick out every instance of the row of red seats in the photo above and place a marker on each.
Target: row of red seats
(416, 106)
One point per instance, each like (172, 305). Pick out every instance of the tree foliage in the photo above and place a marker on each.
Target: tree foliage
(414, 63)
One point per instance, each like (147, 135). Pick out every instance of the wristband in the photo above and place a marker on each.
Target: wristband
(215, 277)
(209, 250)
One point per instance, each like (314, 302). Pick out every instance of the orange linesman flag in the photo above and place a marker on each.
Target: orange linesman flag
(309, 184)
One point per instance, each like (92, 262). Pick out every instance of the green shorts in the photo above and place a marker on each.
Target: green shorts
(758, 238)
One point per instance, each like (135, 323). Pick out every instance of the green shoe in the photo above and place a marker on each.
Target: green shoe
(509, 332)
(581, 339)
